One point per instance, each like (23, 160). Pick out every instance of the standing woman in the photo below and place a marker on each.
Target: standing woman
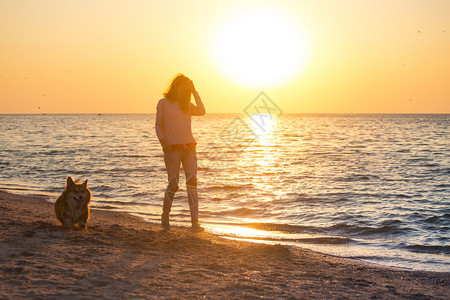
(173, 128)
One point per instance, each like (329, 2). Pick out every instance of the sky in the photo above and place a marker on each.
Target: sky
(110, 56)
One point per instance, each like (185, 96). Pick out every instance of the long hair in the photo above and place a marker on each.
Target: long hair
(173, 95)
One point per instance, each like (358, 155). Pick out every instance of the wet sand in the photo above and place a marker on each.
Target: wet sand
(120, 256)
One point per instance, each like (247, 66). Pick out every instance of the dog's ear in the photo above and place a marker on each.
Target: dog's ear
(85, 184)
(69, 182)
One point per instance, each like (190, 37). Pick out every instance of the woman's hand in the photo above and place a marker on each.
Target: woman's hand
(166, 148)
(190, 86)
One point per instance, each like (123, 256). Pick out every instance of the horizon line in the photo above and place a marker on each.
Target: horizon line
(229, 113)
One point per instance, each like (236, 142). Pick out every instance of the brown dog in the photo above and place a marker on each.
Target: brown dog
(72, 207)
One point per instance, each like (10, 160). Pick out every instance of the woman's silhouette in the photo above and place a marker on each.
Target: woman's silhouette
(173, 128)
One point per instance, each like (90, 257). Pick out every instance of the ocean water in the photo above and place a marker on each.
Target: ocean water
(369, 187)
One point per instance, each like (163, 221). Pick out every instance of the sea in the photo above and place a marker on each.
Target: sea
(370, 187)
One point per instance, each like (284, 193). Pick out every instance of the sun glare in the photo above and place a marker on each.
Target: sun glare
(262, 124)
(259, 47)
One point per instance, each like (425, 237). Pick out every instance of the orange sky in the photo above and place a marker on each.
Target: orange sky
(119, 56)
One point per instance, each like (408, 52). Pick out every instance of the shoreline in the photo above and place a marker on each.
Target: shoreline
(184, 224)
(122, 256)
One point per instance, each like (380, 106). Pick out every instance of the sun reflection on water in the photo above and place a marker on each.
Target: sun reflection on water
(263, 125)
(261, 151)
(260, 160)
(241, 232)
(260, 165)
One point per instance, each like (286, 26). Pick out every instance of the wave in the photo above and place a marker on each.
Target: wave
(325, 240)
(132, 170)
(141, 194)
(404, 196)
(229, 187)
(357, 177)
(117, 202)
(241, 212)
(58, 152)
(443, 220)
(288, 234)
(367, 231)
(428, 249)
(101, 188)
(199, 168)
(132, 156)
(312, 240)
(342, 229)
(280, 227)
(443, 185)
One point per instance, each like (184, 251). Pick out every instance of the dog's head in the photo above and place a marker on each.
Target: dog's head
(78, 192)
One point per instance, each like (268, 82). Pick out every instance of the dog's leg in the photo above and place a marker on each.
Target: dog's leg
(82, 224)
(68, 223)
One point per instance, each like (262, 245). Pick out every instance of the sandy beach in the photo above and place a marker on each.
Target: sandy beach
(120, 256)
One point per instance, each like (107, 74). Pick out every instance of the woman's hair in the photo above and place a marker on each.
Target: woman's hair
(172, 92)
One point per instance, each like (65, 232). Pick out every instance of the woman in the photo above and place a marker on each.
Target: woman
(173, 128)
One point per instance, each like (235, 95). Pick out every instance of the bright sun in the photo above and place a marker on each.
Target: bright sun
(259, 47)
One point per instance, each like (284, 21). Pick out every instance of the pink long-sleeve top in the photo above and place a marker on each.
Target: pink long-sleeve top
(173, 124)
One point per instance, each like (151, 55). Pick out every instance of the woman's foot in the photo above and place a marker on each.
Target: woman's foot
(196, 227)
